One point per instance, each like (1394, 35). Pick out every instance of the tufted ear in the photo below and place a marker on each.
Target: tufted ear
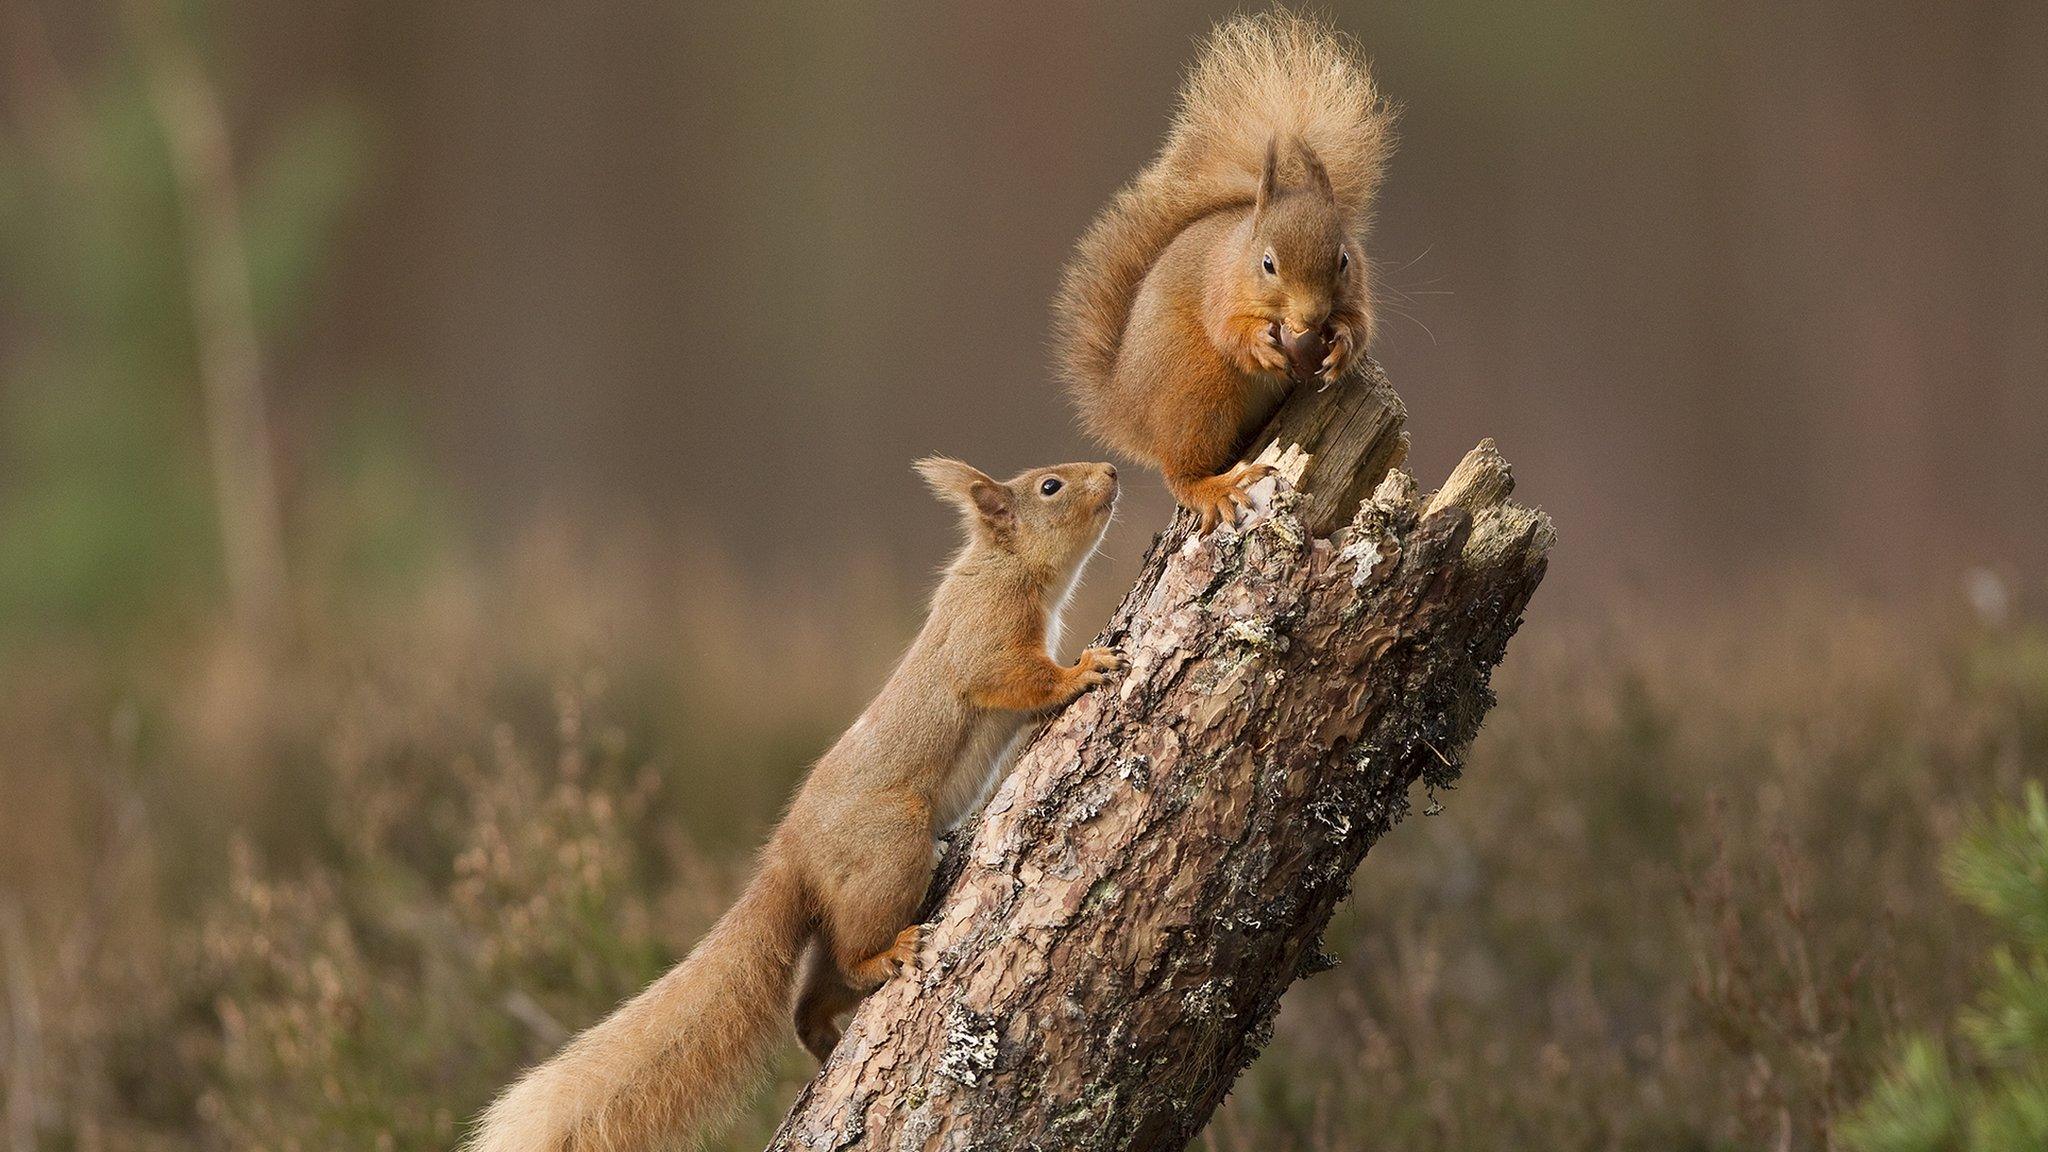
(1317, 174)
(987, 501)
(1269, 181)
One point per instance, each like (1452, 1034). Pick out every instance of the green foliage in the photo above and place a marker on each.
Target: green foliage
(373, 522)
(1992, 1094)
(105, 489)
(104, 504)
(291, 204)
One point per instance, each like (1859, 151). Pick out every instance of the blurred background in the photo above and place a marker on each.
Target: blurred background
(453, 477)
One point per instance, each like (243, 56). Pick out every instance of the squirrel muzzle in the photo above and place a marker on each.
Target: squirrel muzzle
(1105, 486)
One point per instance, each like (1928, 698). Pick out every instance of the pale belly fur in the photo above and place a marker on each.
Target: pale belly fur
(987, 750)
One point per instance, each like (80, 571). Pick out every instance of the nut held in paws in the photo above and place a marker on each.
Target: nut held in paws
(1305, 351)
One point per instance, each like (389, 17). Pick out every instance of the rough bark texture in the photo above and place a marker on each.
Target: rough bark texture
(1109, 942)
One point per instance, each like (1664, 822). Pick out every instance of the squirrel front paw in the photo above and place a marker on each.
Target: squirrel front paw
(1252, 345)
(1217, 499)
(1096, 665)
(1264, 352)
(1343, 346)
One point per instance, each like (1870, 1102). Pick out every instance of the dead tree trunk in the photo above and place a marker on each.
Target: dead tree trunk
(1110, 941)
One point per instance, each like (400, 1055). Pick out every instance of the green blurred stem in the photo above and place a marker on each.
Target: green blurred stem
(224, 322)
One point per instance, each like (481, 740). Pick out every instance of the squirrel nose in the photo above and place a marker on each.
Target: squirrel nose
(1313, 322)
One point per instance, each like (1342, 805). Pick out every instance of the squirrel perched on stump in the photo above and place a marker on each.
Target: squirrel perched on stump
(1232, 267)
(828, 914)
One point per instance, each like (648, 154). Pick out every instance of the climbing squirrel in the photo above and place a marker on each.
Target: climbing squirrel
(1232, 266)
(829, 910)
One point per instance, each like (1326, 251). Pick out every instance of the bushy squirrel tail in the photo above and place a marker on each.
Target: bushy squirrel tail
(673, 1060)
(1274, 74)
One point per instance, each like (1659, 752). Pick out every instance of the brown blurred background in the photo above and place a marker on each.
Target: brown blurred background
(586, 347)
(1736, 285)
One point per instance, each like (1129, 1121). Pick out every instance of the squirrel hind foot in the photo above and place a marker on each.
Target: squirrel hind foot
(900, 955)
(1225, 497)
(819, 1036)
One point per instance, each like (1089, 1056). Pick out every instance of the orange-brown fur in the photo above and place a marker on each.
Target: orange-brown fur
(1165, 315)
(828, 913)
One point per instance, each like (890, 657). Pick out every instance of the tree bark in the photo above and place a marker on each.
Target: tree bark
(1110, 940)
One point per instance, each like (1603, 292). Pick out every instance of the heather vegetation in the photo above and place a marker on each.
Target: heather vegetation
(1689, 894)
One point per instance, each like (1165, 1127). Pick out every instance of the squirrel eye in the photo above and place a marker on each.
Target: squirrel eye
(1267, 263)
(1343, 260)
(1050, 486)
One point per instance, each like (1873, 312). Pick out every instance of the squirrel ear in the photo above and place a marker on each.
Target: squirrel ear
(970, 488)
(951, 479)
(1317, 174)
(1269, 179)
(992, 504)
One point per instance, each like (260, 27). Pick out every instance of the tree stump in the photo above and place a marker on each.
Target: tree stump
(1110, 939)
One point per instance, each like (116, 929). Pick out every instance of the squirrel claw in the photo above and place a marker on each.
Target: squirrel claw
(1265, 353)
(1224, 497)
(879, 969)
(1097, 665)
(1338, 358)
(904, 952)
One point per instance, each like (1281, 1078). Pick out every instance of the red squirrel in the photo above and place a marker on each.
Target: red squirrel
(827, 917)
(1233, 266)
